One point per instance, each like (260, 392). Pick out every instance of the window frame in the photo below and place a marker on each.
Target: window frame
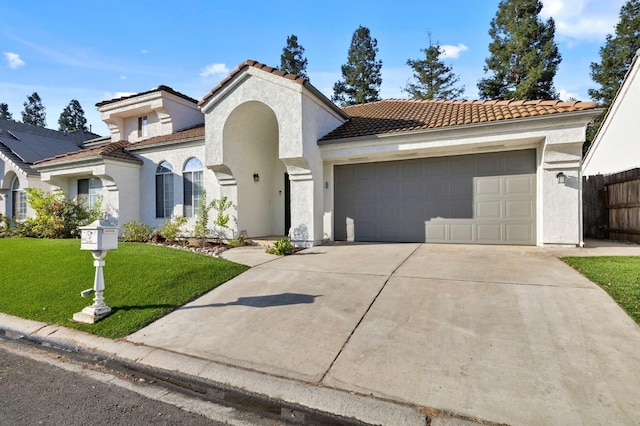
(18, 200)
(94, 190)
(143, 122)
(192, 186)
(165, 194)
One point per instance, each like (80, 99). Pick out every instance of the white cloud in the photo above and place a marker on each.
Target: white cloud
(589, 20)
(14, 60)
(123, 77)
(565, 95)
(453, 52)
(214, 69)
(144, 51)
(117, 95)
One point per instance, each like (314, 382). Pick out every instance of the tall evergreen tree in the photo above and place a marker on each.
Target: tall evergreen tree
(616, 56)
(292, 59)
(4, 112)
(432, 79)
(524, 56)
(72, 117)
(34, 112)
(361, 74)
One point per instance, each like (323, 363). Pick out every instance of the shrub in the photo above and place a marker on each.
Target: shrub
(282, 247)
(222, 220)
(201, 229)
(136, 232)
(171, 228)
(56, 215)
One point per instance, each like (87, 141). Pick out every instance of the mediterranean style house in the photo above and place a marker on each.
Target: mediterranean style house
(293, 163)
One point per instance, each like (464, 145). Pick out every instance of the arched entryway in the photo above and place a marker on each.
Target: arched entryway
(251, 152)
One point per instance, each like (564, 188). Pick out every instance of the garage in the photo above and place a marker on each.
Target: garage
(480, 199)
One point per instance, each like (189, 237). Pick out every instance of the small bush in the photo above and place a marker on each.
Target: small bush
(237, 242)
(56, 215)
(136, 232)
(282, 247)
(171, 228)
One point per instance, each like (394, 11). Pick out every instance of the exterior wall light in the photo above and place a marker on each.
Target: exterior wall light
(256, 177)
(561, 178)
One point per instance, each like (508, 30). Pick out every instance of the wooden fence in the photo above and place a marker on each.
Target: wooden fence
(611, 206)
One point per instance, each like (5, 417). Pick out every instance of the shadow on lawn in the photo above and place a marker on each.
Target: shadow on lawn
(268, 301)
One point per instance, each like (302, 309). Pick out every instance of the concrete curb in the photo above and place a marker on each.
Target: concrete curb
(183, 368)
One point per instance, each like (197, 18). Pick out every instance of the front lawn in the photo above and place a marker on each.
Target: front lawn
(42, 279)
(619, 276)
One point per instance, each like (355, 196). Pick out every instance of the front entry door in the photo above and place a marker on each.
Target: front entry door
(287, 204)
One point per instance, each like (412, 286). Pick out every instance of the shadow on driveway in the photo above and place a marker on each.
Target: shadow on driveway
(268, 301)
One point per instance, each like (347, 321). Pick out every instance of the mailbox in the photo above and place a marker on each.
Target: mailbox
(98, 236)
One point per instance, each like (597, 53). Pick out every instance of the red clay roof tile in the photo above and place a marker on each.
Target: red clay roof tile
(402, 115)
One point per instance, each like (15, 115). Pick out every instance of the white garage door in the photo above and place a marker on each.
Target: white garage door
(483, 199)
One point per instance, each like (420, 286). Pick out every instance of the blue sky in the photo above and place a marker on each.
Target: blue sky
(92, 51)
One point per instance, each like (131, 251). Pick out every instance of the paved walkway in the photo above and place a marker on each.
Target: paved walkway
(497, 334)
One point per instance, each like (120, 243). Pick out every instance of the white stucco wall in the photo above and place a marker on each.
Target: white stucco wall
(616, 147)
(120, 186)
(176, 155)
(301, 120)
(166, 113)
(8, 171)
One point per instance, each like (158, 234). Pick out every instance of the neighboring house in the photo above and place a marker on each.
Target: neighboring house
(22, 145)
(294, 163)
(616, 147)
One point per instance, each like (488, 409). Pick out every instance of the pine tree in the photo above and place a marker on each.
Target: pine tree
(4, 112)
(524, 56)
(432, 79)
(292, 59)
(361, 74)
(34, 112)
(616, 56)
(72, 117)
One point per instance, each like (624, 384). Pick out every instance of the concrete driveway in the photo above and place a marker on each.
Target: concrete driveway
(494, 333)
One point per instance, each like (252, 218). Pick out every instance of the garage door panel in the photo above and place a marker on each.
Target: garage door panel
(520, 209)
(489, 233)
(489, 210)
(484, 198)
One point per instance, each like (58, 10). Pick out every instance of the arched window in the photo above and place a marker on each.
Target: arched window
(18, 200)
(164, 190)
(90, 190)
(192, 183)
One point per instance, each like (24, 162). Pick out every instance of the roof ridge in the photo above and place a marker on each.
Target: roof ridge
(250, 63)
(161, 87)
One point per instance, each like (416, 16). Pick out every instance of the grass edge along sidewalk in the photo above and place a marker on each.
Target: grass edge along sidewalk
(619, 276)
(41, 280)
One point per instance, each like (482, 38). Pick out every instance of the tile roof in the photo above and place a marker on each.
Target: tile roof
(190, 133)
(255, 64)
(403, 115)
(113, 150)
(156, 89)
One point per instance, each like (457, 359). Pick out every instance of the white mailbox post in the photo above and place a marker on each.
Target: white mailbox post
(99, 237)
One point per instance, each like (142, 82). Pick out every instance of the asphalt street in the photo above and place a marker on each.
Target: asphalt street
(40, 387)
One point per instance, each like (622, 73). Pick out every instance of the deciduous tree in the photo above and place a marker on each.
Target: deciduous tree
(361, 76)
(524, 56)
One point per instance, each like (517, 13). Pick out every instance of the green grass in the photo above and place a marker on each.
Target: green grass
(619, 276)
(42, 280)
